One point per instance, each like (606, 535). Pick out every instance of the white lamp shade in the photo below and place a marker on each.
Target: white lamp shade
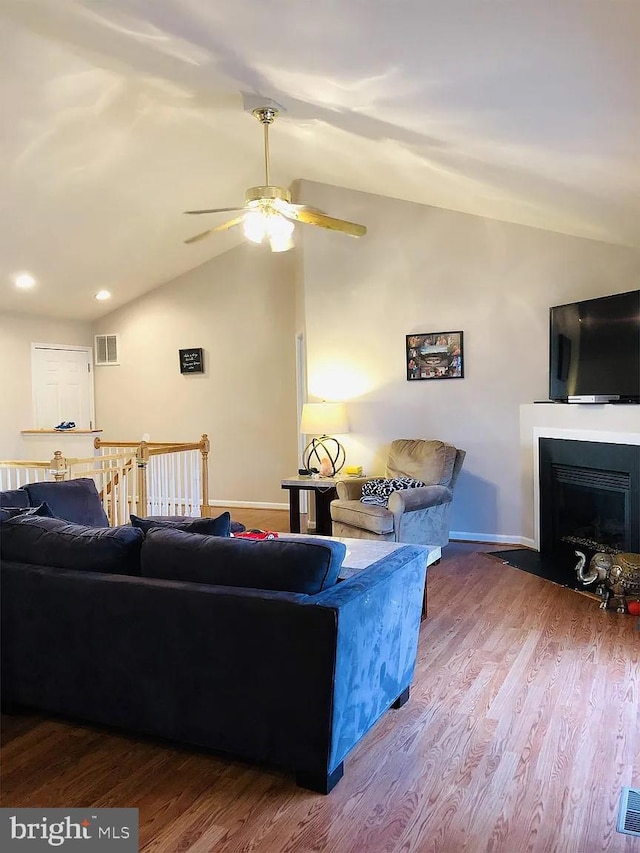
(324, 419)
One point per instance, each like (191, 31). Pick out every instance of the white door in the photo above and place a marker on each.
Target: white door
(62, 384)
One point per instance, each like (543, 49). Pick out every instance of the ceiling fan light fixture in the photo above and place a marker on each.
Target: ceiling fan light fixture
(255, 226)
(280, 243)
(267, 222)
(280, 232)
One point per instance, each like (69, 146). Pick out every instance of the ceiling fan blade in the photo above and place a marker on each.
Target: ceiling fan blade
(313, 217)
(287, 206)
(215, 210)
(197, 237)
(223, 227)
(236, 221)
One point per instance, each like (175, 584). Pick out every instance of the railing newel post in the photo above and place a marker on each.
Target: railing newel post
(205, 509)
(142, 461)
(58, 466)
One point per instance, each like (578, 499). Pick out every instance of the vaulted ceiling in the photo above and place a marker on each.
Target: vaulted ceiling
(120, 114)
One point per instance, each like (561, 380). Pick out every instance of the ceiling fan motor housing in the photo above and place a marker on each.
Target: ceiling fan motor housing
(268, 192)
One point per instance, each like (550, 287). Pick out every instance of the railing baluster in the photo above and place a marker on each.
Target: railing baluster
(172, 480)
(167, 488)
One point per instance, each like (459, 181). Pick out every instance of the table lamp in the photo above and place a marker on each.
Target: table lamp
(320, 419)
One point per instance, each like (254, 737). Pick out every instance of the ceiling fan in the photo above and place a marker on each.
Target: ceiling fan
(268, 211)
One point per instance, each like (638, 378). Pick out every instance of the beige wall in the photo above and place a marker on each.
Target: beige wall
(240, 308)
(419, 269)
(422, 269)
(17, 333)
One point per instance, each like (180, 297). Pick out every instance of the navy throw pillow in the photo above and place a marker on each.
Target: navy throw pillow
(305, 565)
(14, 497)
(74, 500)
(7, 512)
(219, 526)
(58, 543)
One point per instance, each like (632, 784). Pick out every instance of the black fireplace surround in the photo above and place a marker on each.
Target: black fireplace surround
(589, 500)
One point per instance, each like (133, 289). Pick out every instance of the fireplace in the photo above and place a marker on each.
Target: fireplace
(589, 500)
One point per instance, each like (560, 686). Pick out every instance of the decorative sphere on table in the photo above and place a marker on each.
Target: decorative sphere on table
(324, 448)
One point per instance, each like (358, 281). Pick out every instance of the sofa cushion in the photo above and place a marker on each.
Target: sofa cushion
(219, 526)
(7, 512)
(376, 519)
(74, 500)
(63, 545)
(304, 565)
(14, 497)
(234, 526)
(429, 461)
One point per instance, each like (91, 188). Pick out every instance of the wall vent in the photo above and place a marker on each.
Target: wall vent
(107, 349)
(629, 815)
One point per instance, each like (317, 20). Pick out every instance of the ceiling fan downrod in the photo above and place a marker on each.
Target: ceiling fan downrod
(266, 116)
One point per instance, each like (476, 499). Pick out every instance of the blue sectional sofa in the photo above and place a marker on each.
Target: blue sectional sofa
(290, 678)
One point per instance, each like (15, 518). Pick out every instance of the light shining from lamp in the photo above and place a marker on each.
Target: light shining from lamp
(343, 376)
(319, 419)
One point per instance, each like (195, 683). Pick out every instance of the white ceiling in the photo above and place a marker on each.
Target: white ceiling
(120, 114)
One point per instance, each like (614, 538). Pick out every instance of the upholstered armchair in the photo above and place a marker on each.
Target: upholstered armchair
(419, 516)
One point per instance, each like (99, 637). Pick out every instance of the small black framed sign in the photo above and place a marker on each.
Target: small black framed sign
(435, 355)
(191, 360)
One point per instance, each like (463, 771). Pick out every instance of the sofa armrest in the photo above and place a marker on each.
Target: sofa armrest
(378, 614)
(351, 489)
(422, 497)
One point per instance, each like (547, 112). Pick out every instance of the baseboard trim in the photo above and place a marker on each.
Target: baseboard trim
(461, 536)
(250, 504)
(498, 539)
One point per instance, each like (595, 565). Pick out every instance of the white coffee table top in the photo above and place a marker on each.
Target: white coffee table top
(363, 552)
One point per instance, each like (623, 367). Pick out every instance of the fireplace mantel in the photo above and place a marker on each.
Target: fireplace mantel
(604, 423)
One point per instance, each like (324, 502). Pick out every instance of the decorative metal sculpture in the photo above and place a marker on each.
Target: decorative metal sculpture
(617, 577)
(327, 452)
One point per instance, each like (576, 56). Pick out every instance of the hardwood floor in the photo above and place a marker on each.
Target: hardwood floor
(265, 519)
(522, 726)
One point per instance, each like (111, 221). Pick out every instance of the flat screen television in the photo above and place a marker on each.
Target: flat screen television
(594, 353)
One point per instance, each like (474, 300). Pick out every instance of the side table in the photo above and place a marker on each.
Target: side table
(324, 490)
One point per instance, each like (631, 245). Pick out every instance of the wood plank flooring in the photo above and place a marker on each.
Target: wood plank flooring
(264, 519)
(522, 726)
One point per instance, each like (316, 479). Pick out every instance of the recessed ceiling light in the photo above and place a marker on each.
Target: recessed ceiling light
(24, 280)
(103, 294)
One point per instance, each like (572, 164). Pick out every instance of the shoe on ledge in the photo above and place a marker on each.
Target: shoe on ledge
(65, 425)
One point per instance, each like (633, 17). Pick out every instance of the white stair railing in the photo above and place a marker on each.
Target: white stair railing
(16, 473)
(145, 478)
(174, 482)
(175, 475)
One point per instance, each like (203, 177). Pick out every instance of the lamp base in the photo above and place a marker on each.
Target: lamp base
(321, 448)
